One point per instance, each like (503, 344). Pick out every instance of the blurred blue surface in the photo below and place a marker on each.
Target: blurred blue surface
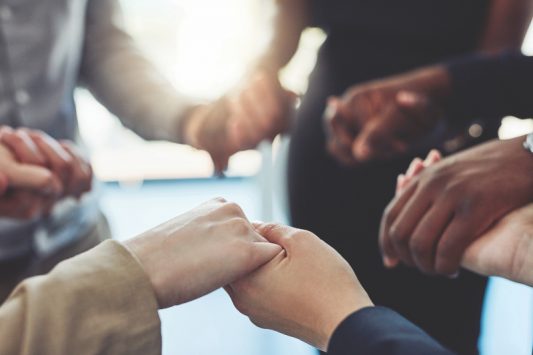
(211, 325)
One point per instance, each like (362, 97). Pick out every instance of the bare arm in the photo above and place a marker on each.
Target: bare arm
(292, 17)
(507, 24)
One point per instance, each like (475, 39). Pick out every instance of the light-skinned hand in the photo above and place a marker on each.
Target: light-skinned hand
(258, 111)
(26, 191)
(61, 157)
(200, 251)
(306, 291)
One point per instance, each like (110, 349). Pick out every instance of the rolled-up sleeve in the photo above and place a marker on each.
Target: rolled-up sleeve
(123, 80)
(95, 303)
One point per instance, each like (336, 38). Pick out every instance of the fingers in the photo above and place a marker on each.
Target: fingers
(34, 178)
(57, 158)
(339, 137)
(22, 146)
(451, 247)
(425, 238)
(389, 217)
(276, 233)
(81, 172)
(263, 252)
(401, 230)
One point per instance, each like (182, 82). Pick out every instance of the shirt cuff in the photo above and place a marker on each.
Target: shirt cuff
(489, 85)
(381, 331)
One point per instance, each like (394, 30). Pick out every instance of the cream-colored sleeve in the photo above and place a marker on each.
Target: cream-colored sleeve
(100, 302)
(124, 81)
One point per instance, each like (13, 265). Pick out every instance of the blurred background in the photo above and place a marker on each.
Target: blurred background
(205, 47)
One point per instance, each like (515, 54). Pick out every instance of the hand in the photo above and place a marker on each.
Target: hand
(305, 291)
(454, 202)
(385, 118)
(200, 251)
(26, 191)
(261, 110)
(62, 158)
(506, 250)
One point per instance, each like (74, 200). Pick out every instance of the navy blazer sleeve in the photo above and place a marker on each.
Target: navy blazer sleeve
(491, 86)
(380, 331)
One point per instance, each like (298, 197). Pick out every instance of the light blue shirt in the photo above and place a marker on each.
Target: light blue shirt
(47, 49)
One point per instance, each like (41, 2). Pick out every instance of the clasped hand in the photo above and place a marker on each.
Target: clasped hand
(36, 171)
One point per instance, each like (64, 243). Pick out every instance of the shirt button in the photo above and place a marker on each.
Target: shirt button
(6, 13)
(22, 97)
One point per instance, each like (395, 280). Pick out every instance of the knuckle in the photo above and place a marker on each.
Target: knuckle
(398, 235)
(219, 200)
(233, 208)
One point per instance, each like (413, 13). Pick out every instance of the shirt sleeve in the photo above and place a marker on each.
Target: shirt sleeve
(491, 86)
(123, 80)
(380, 331)
(98, 302)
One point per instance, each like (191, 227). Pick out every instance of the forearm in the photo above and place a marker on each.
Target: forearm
(291, 18)
(507, 25)
(379, 331)
(124, 81)
(99, 300)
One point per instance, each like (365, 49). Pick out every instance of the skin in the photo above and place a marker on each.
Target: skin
(257, 111)
(261, 108)
(200, 251)
(452, 203)
(386, 118)
(506, 250)
(282, 295)
(37, 171)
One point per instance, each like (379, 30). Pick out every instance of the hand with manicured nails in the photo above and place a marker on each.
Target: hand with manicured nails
(446, 207)
(386, 118)
(200, 251)
(259, 111)
(506, 250)
(306, 291)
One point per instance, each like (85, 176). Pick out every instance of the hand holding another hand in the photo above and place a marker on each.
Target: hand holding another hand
(385, 118)
(305, 291)
(200, 251)
(259, 111)
(505, 250)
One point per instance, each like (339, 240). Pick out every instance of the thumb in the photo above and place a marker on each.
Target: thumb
(263, 252)
(376, 141)
(34, 178)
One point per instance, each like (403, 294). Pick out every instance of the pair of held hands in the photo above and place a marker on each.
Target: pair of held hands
(36, 171)
(258, 110)
(445, 208)
(286, 279)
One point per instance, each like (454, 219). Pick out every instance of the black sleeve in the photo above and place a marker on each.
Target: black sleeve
(491, 86)
(380, 331)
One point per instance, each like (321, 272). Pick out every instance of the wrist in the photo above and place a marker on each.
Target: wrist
(434, 82)
(142, 252)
